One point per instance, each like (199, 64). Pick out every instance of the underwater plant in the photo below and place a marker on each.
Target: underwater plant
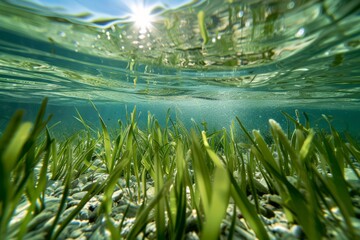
(169, 182)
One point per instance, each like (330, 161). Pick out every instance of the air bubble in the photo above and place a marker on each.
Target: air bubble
(291, 5)
(62, 34)
(300, 33)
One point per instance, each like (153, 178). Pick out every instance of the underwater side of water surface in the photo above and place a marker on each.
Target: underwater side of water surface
(201, 60)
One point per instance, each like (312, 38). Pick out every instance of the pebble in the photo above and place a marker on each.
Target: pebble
(266, 211)
(122, 182)
(52, 201)
(75, 223)
(280, 229)
(89, 186)
(75, 183)
(93, 216)
(89, 224)
(73, 202)
(76, 233)
(117, 195)
(260, 187)
(192, 236)
(39, 220)
(89, 228)
(100, 177)
(350, 175)
(150, 230)
(75, 190)
(98, 162)
(79, 195)
(84, 214)
(274, 200)
(150, 192)
(59, 191)
(36, 235)
(297, 231)
(92, 206)
(241, 233)
(68, 211)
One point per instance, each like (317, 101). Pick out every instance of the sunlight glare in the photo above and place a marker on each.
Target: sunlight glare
(142, 17)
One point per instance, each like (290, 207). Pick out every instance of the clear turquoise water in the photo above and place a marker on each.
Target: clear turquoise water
(253, 59)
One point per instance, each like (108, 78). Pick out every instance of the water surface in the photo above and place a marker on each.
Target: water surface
(203, 59)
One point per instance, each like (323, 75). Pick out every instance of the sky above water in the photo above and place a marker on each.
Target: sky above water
(102, 8)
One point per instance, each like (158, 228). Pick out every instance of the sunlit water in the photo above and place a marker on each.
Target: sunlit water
(205, 60)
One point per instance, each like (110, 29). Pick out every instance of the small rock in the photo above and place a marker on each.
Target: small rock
(67, 211)
(75, 234)
(89, 228)
(280, 229)
(36, 235)
(241, 233)
(93, 206)
(84, 214)
(132, 211)
(75, 183)
(75, 223)
(117, 195)
(297, 231)
(39, 220)
(79, 195)
(293, 180)
(274, 200)
(98, 162)
(90, 186)
(93, 216)
(192, 236)
(59, 191)
(100, 177)
(191, 224)
(266, 211)
(150, 230)
(122, 182)
(52, 200)
(350, 175)
(150, 192)
(269, 206)
(260, 188)
(49, 223)
(75, 190)
(73, 202)
(82, 237)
